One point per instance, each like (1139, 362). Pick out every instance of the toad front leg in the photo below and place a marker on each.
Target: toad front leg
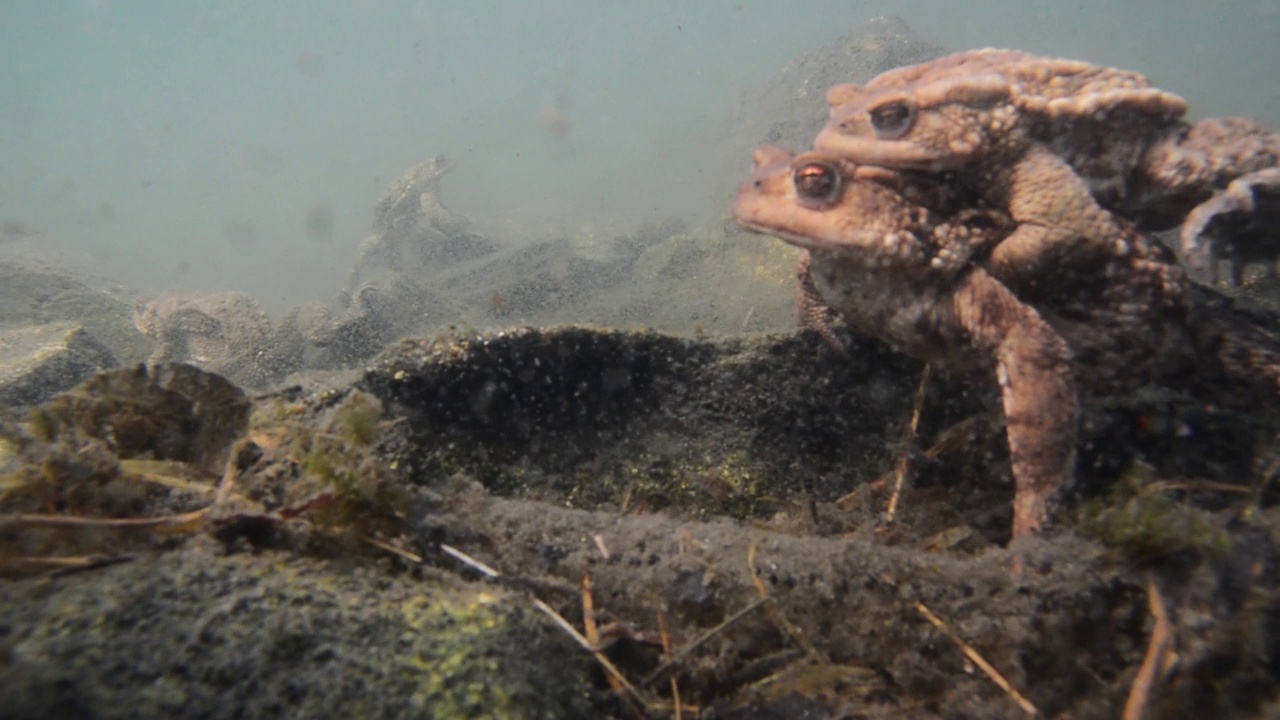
(1033, 367)
(1056, 216)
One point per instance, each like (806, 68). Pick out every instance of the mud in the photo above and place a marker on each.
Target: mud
(700, 485)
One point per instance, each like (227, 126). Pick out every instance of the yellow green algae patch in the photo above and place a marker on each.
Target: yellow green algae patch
(460, 676)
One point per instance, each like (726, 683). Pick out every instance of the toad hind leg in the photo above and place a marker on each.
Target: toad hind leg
(812, 311)
(1033, 365)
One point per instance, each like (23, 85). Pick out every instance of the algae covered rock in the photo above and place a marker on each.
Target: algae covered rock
(159, 412)
(198, 633)
(32, 293)
(39, 361)
(690, 489)
(226, 333)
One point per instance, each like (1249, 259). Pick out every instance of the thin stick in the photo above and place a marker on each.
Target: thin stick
(72, 521)
(470, 561)
(632, 694)
(684, 652)
(604, 661)
(1194, 485)
(168, 473)
(905, 463)
(1135, 707)
(592, 629)
(229, 472)
(58, 566)
(978, 660)
(411, 557)
(666, 655)
(1260, 486)
(775, 612)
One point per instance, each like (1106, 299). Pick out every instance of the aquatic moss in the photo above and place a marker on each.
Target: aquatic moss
(341, 458)
(1147, 525)
(357, 418)
(41, 424)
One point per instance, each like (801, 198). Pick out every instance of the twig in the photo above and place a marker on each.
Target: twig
(904, 464)
(952, 439)
(1201, 485)
(610, 669)
(167, 522)
(776, 614)
(1260, 486)
(230, 472)
(666, 655)
(60, 566)
(978, 660)
(631, 693)
(1135, 707)
(469, 561)
(164, 472)
(601, 546)
(617, 682)
(411, 557)
(685, 651)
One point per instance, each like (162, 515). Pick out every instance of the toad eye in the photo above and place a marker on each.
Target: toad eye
(818, 182)
(892, 120)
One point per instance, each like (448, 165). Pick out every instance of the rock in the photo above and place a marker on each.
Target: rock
(34, 294)
(203, 633)
(40, 361)
(692, 476)
(371, 321)
(162, 412)
(414, 234)
(538, 283)
(708, 284)
(225, 333)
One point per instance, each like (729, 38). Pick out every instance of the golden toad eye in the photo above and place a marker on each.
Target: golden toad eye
(817, 181)
(892, 120)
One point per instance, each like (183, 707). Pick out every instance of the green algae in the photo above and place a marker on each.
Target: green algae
(1147, 525)
(339, 459)
(457, 671)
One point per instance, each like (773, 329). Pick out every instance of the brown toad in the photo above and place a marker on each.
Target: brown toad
(1127, 319)
(869, 258)
(1043, 137)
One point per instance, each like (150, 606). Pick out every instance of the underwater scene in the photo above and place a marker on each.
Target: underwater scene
(731, 360)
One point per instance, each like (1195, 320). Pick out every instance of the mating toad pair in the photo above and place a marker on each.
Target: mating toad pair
(984, 212)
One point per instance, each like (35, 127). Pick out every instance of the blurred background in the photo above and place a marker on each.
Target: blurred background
(242, 146)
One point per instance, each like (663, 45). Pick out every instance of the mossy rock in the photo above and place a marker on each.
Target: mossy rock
(200, 634)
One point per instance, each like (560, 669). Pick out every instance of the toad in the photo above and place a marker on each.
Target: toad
(869, 258)
(1242, 223)
(1054, 142)
(1107, 323)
